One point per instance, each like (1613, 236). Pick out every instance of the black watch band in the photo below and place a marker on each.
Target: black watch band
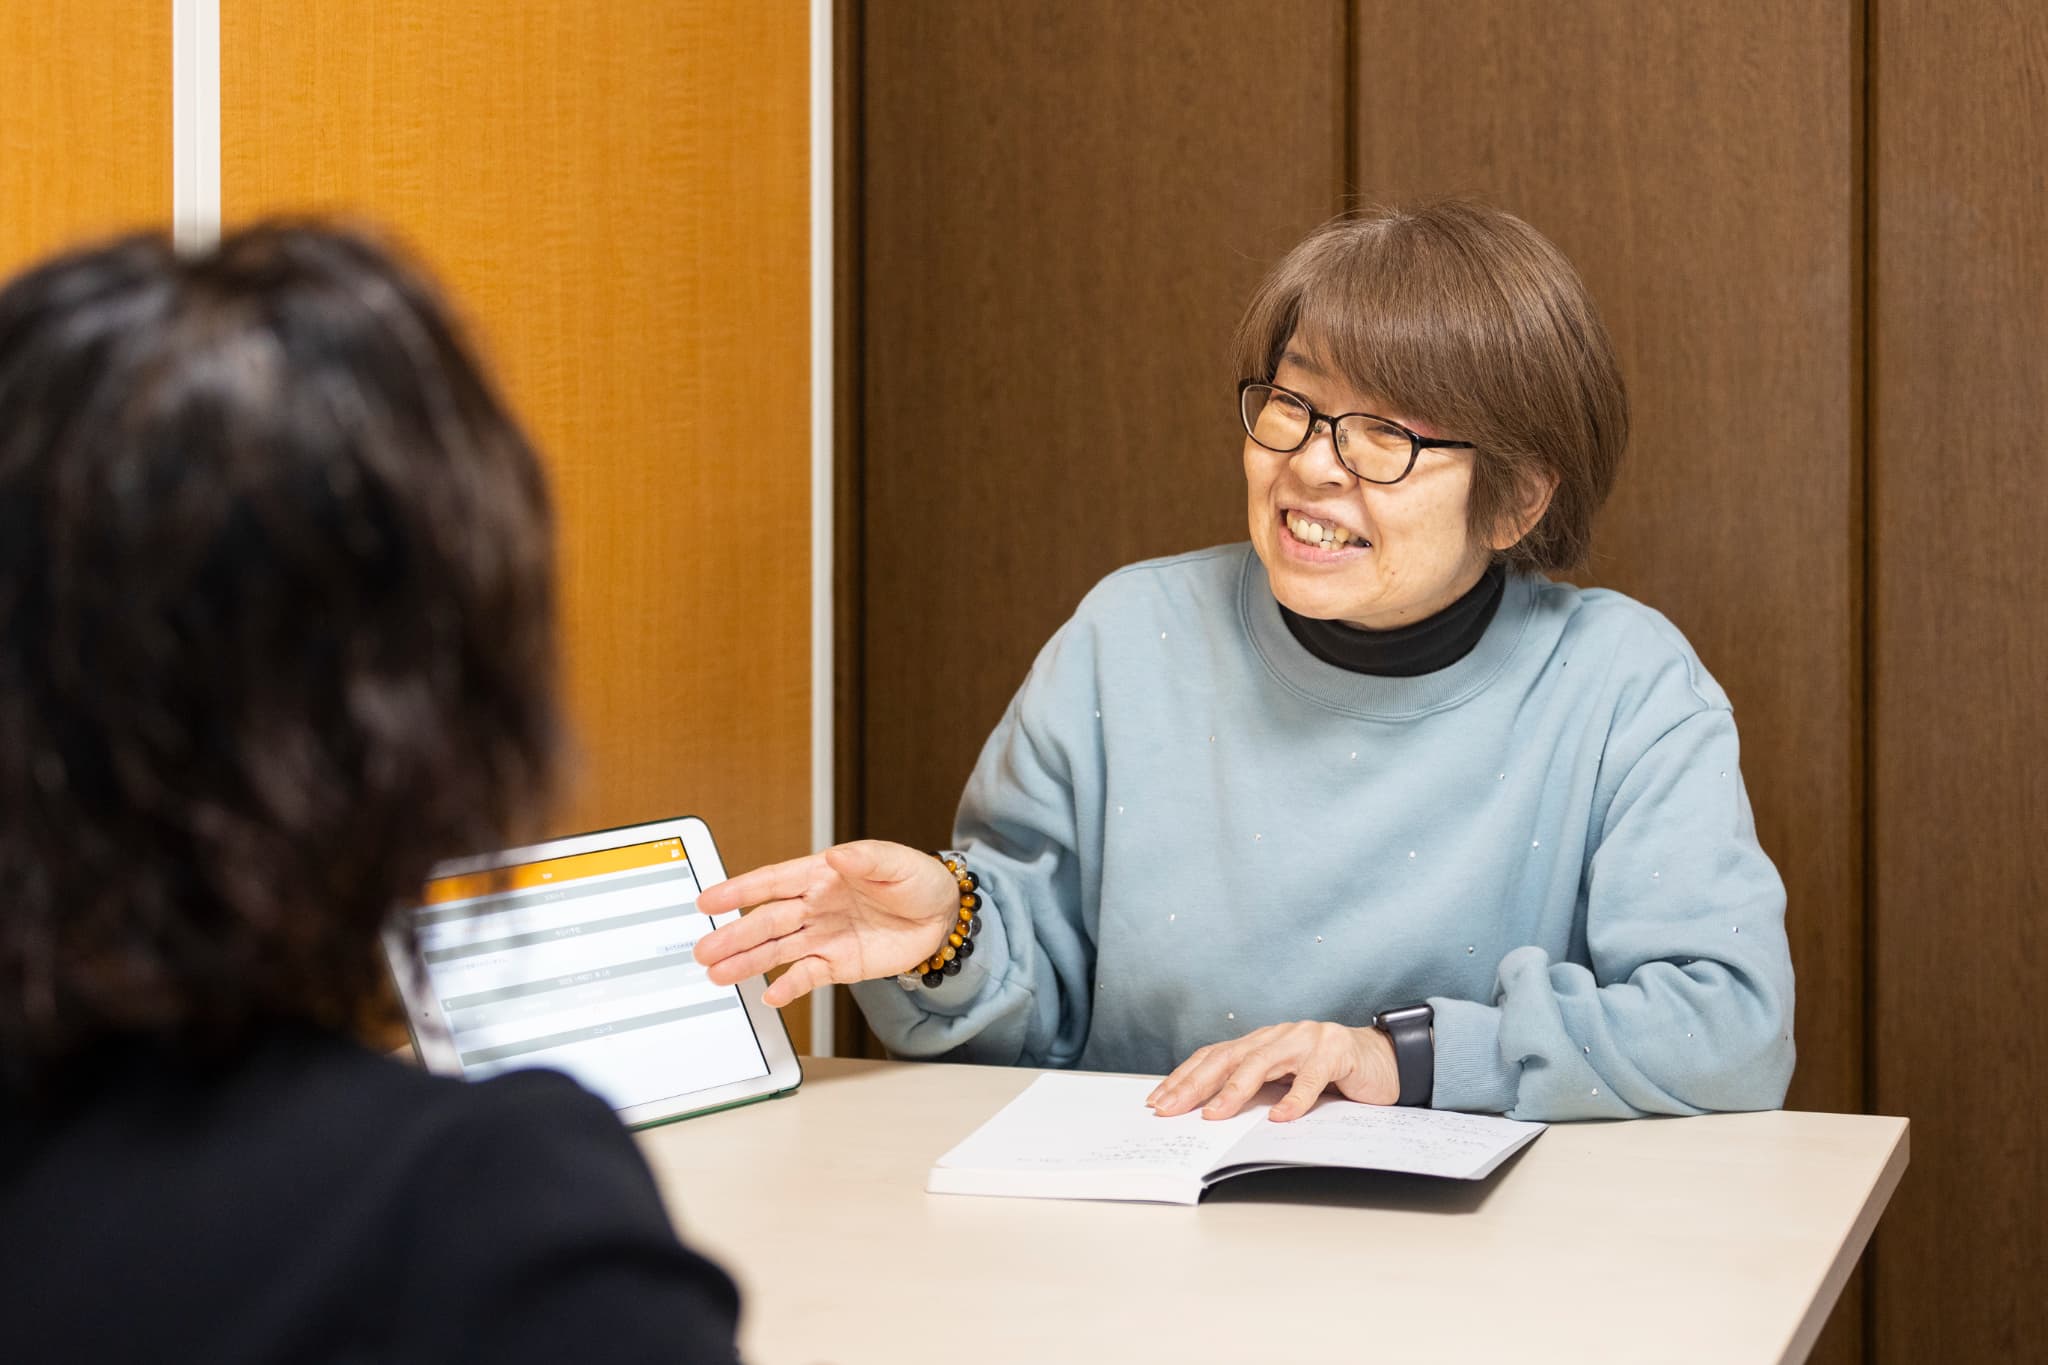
(1411, 1029)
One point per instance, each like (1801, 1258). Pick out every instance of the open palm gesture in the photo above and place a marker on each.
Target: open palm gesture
(852, 913)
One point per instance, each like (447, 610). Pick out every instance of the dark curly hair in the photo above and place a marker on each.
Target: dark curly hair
(276, 634)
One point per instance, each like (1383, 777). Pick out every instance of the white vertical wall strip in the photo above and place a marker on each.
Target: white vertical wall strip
(195, 123)
(822, 823)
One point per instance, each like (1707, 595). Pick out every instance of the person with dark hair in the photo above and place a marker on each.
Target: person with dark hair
(276, 636)
(1370, 802)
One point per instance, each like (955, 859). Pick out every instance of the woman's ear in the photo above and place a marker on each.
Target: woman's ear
(1538, 487)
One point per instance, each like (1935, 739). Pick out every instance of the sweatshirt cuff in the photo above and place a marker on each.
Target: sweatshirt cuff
(1471, 1074)
(919, 1024)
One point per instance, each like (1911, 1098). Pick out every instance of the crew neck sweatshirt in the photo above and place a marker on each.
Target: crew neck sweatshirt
(1187, 826)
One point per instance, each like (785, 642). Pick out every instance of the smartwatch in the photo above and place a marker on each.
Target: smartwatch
(1410, 1028)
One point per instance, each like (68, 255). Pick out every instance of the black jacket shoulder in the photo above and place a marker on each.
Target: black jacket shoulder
(312, 1201)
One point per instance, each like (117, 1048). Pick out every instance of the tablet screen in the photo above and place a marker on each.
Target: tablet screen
(583, 964)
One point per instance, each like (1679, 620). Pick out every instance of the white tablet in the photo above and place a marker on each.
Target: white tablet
(576, 955)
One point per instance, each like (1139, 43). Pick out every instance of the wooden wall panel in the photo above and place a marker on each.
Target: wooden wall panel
(1701, 172)
(1066, 206)
(1959, 384)
(619, 195)
(851, 1035)
(85, 123)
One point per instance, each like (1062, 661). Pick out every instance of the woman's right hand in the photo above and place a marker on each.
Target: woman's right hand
(852, 913)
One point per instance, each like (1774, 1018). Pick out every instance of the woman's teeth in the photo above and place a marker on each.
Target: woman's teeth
(1323, 537)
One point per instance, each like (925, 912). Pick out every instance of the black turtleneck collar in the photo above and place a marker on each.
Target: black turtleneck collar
(1406, 651)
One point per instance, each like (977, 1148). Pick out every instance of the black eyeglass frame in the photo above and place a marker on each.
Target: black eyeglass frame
(1417, 442)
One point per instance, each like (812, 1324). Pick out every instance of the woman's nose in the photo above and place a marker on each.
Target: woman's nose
(1317, 460)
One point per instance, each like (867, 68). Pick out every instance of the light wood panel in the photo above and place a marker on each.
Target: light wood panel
(1066, 206)
(619, 195)
(1701, 172)
(85, 123)
(1959, 387)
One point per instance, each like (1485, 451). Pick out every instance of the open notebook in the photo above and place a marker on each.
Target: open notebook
(1091, 1137)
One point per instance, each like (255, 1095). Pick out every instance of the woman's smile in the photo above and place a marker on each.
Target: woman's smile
(1318, 538)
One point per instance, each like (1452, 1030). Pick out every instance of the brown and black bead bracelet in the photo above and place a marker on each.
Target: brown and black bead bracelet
(959, 944)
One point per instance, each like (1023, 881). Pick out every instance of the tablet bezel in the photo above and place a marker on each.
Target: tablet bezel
(435, 1047)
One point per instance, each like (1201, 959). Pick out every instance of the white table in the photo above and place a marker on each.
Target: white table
(1723, 1239)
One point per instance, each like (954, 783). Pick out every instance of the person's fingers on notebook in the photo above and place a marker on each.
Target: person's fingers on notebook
(1260, 1065)
(776, 881)
(1309, 1083)
(1168, 1090)
(757, 926)
(1170, 1083)
(804, 976)
(1202, 1075)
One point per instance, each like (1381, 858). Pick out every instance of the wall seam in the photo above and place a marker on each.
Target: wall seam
(850, 405)
(1347, 91)
(1863, 51)
(823, 449)
(195, 123)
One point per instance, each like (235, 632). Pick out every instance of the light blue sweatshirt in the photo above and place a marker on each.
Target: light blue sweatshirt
(1187, 826)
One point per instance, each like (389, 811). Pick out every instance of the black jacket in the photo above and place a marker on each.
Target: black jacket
(315, 1202)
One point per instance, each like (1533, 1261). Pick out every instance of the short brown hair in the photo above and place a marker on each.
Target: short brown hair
(276, 634)
(1465, 317)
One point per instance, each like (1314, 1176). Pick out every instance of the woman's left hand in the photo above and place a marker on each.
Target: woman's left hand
(1358, 1061)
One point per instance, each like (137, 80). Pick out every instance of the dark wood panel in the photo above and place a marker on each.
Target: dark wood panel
(851, 1035)
(1066, 207)
(1959, 315)
(1702, 173)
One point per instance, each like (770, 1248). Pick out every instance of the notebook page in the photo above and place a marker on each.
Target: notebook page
(1377, 1137)
(1067, 1122)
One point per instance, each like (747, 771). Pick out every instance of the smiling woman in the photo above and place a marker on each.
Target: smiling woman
(1370, 802)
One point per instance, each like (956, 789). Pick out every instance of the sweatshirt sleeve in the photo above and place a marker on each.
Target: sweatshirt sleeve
(1024, 997)
(1687, 1005)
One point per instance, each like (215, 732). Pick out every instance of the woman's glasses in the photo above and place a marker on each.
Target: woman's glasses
(1375, 449)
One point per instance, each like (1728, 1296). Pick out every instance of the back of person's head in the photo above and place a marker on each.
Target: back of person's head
(276, 634)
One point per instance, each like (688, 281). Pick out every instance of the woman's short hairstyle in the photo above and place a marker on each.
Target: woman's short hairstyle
(1463, 317)
(276, 633)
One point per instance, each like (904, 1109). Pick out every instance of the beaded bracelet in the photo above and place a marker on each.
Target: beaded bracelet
(959, 944)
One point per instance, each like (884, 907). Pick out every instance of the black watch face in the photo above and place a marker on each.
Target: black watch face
(1406, 1014)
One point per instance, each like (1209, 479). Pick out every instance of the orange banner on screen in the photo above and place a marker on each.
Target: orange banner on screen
(553, 872)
